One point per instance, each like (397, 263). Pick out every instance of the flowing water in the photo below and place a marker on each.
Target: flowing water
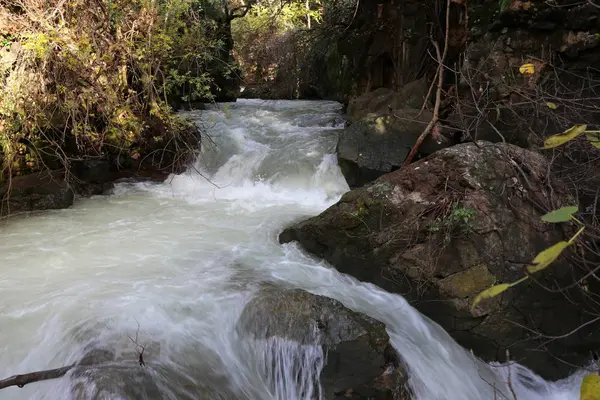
(175, 263)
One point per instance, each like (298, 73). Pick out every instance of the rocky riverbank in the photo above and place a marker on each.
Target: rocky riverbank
(56, 189)
(466, 215)
(451, 225)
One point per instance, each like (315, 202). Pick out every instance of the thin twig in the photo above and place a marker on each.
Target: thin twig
(138, 346)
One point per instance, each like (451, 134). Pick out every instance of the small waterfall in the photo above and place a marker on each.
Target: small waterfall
(291, 370)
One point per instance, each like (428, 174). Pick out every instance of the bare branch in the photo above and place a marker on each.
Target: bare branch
(432, 126)
(24, 379)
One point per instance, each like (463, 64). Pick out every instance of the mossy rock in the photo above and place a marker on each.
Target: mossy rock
(358, 347)
(440, 272)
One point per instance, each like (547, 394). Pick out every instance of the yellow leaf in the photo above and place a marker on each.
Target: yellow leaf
(590, 387)
(564, 137)
(547, 256)
(527, 69)
(491, 292)
(594, 139)
(551, 105)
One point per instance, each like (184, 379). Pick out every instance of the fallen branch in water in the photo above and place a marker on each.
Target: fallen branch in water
(22, 380)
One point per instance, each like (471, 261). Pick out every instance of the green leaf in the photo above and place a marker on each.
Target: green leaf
(547, 256)
(561, 215)
(594, 139)
(551, 105)
(590, 388)
(564, 137)
(489, 293)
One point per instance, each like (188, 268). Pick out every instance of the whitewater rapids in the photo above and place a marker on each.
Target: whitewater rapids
(181, 259)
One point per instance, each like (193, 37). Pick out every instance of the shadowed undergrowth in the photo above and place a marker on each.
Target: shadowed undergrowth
(94, 79)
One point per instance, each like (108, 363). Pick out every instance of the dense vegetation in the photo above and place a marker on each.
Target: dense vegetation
(290, 49)
(95, 79)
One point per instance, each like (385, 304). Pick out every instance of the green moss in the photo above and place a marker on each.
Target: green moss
(468, 282)
(457, 222)
(362, 209)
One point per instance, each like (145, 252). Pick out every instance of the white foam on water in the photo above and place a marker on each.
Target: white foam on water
(182, 258)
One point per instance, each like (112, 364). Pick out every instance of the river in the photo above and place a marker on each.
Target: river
(176, 262)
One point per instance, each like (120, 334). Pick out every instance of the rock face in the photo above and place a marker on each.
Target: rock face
(92, 177)
(374, 146)
(451, 225)
(384, 101)
(360, 362)
(385, 46)
(43, 191)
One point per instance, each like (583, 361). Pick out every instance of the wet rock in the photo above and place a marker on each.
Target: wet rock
(92, 177)
(97, 356)
(360, 361)
(450, 226)
(101, 375)
(40, 191)
(114, 381)
(374, 146)
(385, 101)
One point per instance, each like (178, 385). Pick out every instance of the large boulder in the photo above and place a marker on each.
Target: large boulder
(360, 361)
(449, 226)
(41, 191)
(377, 145)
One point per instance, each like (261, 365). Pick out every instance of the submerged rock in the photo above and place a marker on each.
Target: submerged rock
(451, 225)
(101, 375)
(360, 361)
(40, 191)
(115, 381)
(374, 146)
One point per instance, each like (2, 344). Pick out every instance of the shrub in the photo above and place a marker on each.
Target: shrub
(89, 79)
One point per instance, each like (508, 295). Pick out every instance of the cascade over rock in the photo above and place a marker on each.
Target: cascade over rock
(451, 225)
(360, 361)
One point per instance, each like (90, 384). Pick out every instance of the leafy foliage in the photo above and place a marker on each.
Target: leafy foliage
(594, 139)
(457, 222)
(268, 44)
(590, 387)
(94, 78)
(527, 69)
(563, 214)
(563, 137)
(491, 292)
(547, 257)
(542, 260)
